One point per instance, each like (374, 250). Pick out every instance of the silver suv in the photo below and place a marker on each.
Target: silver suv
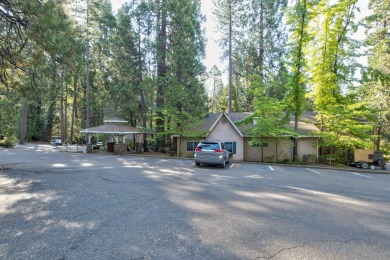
(211, 152)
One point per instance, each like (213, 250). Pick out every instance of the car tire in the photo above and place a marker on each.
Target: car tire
(223, 164)
(364, 165)
(197, 163)
(380, 162)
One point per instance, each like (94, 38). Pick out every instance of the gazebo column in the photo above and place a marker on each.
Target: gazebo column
(124, 138)
(138, 145)
(120, 148)
(89, 148)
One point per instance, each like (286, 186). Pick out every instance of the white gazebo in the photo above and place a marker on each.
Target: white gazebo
(116, 128)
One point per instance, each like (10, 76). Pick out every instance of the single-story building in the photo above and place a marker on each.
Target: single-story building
(224, 127)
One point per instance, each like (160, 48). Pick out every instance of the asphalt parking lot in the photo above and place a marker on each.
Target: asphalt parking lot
(57, 205)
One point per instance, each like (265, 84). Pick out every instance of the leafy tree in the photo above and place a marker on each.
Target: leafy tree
(377, 78)
(269, 119)
(332, 68)
(298, 18)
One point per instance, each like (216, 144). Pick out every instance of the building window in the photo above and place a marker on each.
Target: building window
(191, 146)
(231, 147)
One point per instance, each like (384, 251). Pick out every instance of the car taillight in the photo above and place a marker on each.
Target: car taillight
(218, 150)
(198, 149)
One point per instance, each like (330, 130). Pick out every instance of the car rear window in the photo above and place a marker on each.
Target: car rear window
(209, 146)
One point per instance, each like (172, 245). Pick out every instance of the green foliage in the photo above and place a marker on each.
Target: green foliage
(9, 119)
(132, 63)
(222, 100)
(184, 96)
(375, 84)
(7, 142)
(299, 17)
(215, 79)
(331, 49)
(346, 121)
(268, 119)
(253, 40)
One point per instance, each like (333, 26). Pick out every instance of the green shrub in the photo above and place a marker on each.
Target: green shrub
(7, 143)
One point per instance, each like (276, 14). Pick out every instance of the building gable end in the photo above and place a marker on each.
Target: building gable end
(219, 119)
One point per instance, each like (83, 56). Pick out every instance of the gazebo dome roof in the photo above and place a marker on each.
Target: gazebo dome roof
(112, 129)
(115, 120)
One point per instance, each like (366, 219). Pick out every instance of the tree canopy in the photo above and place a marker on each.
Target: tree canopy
(68, 65)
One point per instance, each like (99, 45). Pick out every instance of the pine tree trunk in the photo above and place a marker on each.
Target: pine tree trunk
(62, 112)
(87, 79)
(23, 127)
(230, 56)
(143, 108)
(50, 112)
(73, 108)
(261, 42)
(295, 150)
(298, 76)
(161, 70)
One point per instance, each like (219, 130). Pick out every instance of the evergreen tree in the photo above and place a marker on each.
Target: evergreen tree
(215, 79)
(125, 72)
(186, 49)
(13, 25)
(267, 37)
(227, 13)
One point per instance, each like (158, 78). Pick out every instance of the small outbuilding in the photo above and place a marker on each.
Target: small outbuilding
(118, 131)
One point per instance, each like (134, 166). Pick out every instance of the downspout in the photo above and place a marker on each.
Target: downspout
(179, 148)
(262, 153)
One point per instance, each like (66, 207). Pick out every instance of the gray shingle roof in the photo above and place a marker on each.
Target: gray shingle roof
(115, 120)
(306, 124)
(304, 128)
(112, 129)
